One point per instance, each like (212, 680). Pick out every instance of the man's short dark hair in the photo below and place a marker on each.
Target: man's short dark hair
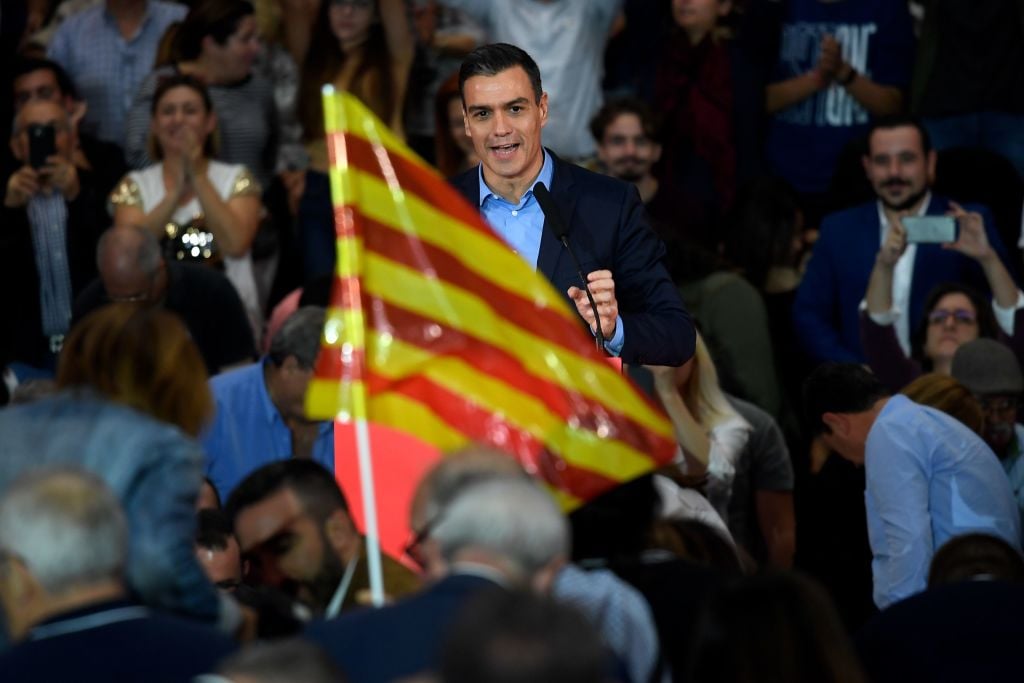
(213, 530)
(299, 336)
(315, 487)
(27, 65)
(613, 109)
(491, 60)
(975, 556)
(900, 121)
(839, 388)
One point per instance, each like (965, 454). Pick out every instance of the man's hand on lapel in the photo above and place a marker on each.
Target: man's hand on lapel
(602, 286)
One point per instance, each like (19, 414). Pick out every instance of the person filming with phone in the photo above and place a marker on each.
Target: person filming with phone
(900, 166)
(53, 215)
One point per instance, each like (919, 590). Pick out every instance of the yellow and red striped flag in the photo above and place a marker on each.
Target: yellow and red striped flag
(436, 328)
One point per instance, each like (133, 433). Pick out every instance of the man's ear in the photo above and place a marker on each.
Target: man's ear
(341, 534)
(838, 423)
(932, 160)
(544, 580)
(656, 153)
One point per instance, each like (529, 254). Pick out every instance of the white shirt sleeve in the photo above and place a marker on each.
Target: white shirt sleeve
(1005, 316)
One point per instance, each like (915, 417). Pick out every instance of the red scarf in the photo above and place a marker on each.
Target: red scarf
(694, 94)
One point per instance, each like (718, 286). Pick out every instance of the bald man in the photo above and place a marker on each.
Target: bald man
(132, 268)
(52, 217)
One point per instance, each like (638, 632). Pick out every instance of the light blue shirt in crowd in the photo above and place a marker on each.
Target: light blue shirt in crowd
(106, 68)
(521, 226)
(249, 432)
(929, 478)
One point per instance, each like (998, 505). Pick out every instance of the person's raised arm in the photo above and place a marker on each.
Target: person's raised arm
(878, 99)
(786, 93)
(691, 436)
(973, 242)
(879, 293)
(398, 34)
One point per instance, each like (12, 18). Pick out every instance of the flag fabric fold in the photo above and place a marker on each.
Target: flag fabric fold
(436, 328)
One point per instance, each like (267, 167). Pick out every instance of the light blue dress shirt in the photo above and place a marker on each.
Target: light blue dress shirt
(106, 68)
(929, 478)
(249, 432)
(521, 226)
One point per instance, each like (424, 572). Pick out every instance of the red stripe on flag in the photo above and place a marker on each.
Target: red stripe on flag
(481, 425)
(330, 365)
(418, 179)
(425, 258)
(345, 293)
(505, 367)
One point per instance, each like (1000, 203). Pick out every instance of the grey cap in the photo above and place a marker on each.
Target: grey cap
(987, 367)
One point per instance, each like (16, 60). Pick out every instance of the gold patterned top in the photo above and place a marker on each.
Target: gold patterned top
(238, 181)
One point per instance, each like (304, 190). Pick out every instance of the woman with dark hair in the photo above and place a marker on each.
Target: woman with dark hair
(710, 101)
(207, 209)
(776, 627)
(364, 47)
(217, 43)
(954, 313)
(453, 148)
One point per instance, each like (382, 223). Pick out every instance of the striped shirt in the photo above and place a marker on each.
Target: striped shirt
(247, 124)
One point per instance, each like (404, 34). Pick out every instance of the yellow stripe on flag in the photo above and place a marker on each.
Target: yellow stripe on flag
(470, 313)
(487, 256)
(582, 448)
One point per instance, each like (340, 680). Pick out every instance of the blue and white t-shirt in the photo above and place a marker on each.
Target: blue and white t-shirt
(877, 39)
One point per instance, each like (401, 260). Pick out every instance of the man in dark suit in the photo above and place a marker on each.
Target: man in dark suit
(68, 605)
(641, 317)
(900, 165)
(505, 533)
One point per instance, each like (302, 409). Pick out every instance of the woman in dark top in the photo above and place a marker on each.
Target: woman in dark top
(710, 103)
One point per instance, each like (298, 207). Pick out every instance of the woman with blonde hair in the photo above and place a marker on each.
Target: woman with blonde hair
(142, 357)
(740, 449)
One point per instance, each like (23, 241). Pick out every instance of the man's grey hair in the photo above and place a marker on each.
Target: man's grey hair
(511, 518)
(66, 526)
(299, 336)
(283, 661)
(458, 471)
(136, 246)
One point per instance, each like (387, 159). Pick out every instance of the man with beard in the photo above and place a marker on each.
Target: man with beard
(295, 532)
(900, 165)
(991, 371)
(628, 147)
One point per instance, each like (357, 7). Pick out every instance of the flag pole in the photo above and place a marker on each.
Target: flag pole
(354, 326)
(373, 556)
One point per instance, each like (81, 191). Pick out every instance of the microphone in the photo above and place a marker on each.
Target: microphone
(554, 219)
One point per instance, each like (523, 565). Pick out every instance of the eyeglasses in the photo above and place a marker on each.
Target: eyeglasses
(997, 405)
(414, 548)
(960, 316)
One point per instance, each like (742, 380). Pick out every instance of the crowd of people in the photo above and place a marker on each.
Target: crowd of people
(799, 224)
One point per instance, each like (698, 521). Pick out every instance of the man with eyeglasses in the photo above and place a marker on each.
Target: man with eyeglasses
(859, 245)
(991, 371)
(52, 217)
(132, 268)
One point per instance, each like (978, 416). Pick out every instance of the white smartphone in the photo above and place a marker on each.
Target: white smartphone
(930, 228)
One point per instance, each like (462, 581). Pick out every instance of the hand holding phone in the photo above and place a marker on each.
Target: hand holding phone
(42, 143)
(930, 229)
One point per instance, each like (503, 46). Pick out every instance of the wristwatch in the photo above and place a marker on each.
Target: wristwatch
(849, 78)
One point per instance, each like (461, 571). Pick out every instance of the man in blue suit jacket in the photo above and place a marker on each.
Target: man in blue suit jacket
(493, 535)
(641, 315)
(901, 167)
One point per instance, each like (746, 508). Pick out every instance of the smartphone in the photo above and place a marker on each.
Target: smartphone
(930, 228)
(41, 144)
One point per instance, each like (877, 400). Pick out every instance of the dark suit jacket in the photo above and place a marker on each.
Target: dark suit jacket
(826, 309)
(966, 631)
(113, 644)
(381, 645)
(609, 229)
(21, 326)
